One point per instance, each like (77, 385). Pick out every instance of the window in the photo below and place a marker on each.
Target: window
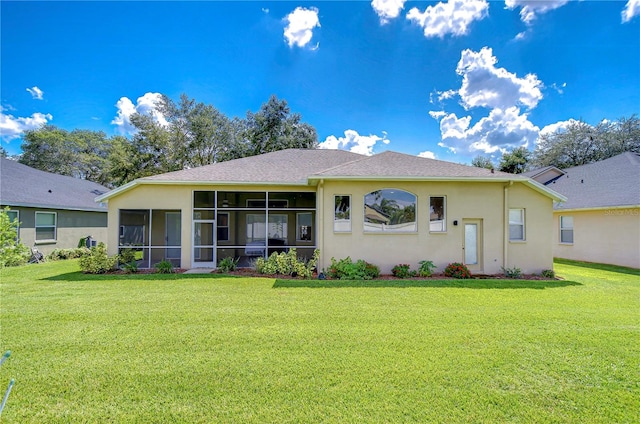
(566, 229)
(304, 226)
(342, 214)
(516, 224)
(45, 226)
(437, 214)
(223, 227)
(277, 228)
(390, 210)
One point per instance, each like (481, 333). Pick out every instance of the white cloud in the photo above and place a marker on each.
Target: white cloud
(485, 85)
(630, 10)
(529, 9)
(354, 142)
(453, 17)
(387, 9)
(427, 154)
(145, 105)
(12, 127)
(501, 130)
(36, 93)
(559, 126)
(301, 23)
(437, 114)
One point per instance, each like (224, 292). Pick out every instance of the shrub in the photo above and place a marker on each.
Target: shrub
(97, 261)
(131, 267)
(514, 272)
(426, 269)
(164, 267)
(457, 270)
(346, 269)
(548, 273)
(64, 254)
(12, 251)
(287, 264)
(127, 256)
(228, 264)
(403, 271)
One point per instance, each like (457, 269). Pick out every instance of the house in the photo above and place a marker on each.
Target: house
(387, 209)
(600, 222)
(54, 211)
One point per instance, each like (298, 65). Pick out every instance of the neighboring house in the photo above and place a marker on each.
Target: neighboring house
(387, 209)
(54, 211)
(600, 222)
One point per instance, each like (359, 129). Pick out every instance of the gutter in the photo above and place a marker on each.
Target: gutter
(505, 226)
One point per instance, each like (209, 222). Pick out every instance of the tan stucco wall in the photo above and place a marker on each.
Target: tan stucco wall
(71, 227)
(465, 200)
(610, 236)
(484, 201)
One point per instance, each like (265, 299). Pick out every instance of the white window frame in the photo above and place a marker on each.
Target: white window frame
(444, 214)
(17, 219)
(55, 227)
(298, 215)
(519, 223)
(335, 219)
(566, 228)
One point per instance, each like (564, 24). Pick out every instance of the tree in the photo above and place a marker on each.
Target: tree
(12, 251)
(514, 162)
(274, 128)
(3, 152)
(580, 143)
(79, 153)
(482, 162)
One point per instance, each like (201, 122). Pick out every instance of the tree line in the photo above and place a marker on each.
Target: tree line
(578, 144)
(194, 134)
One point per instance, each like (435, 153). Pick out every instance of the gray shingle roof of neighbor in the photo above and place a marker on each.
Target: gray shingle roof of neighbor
(613, 182)
(306, 166)
(21, 185)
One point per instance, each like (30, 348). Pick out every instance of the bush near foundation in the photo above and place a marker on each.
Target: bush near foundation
(457, 270)
(97, 261)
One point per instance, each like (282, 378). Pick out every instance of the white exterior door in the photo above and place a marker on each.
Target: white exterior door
(472, 244)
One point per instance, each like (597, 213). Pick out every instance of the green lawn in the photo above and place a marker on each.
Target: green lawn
(200, 349)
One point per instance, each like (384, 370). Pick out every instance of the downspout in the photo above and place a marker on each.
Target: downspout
(505, 231)
(320, 221)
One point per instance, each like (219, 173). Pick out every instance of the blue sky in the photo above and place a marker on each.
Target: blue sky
(449, 79)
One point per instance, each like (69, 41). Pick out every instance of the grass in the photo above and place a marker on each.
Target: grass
(198, 349)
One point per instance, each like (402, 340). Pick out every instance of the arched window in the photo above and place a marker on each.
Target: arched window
(390, 210)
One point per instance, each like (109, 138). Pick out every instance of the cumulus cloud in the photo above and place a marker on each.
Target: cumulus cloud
(145, 105)
(35, 92)
(452, 17)
(502, 130)
(485, 85)
(559, 126)
(529, 9)
(300, 25)
(630, 10)
(12, 127)
(387, 9)
(354, 142)
(427, 154)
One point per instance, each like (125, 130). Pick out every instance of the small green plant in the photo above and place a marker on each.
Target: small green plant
(228, 264)
(403, 271)
(346, 269)
(457, 270)
(287, 264)
(97, 261)
(164, 267)
(127, 256)
(514, 272)
(426, 268)
(131, 267)
(548, 273)
(12, 251)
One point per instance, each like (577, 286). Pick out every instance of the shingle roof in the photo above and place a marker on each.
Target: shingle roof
(21, 185)
(306, 166)
(291, 166)
(612, 182)
(403, 166)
